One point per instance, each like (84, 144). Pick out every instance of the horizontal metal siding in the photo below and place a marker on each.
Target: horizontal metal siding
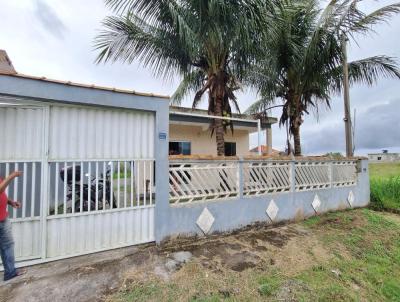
(99, 231)
(92, 133)
(21, 133)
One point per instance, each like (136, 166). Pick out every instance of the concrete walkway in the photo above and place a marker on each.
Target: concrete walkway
(84, 278)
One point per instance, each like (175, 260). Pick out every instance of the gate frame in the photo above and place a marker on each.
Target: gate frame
(42, 92)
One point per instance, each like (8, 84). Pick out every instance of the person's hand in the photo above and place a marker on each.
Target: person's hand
(15, 204)
(16, 174)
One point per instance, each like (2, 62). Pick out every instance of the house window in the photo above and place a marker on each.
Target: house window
(180, 148)
(230, 149)
(379, 158)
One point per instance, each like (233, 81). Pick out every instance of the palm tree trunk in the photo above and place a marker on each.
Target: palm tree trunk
(296, 139)
(219, 129)
(295, 121)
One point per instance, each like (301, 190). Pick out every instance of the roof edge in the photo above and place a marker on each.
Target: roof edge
(270, 120)
(69, 83)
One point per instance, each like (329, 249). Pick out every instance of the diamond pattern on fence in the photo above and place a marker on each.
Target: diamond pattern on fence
(312, 175)
(344, 173)
(265, 177)
(272, 210)
(350, 198)
(193, 182)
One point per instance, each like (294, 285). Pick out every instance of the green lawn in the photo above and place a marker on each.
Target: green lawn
(385, 186)
(384, 170)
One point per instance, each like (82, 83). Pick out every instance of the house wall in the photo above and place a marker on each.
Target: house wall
(384, 157)
(203, 143)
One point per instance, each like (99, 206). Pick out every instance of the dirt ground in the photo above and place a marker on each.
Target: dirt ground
(93, 277)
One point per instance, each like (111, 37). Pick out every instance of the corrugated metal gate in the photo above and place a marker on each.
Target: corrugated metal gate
(88, 178)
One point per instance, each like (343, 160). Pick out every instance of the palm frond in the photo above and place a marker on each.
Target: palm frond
(129, 38)
(363, 23)
(365, 71)
(259, 106)
(191, 82)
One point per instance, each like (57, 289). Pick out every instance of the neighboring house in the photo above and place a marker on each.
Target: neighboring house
(385, 156)
(189, 133)
(265, 150)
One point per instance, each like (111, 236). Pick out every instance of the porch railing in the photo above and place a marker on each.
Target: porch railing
(206, 180)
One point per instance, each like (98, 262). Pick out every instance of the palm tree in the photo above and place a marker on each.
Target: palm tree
(209, 43)
(304, 65)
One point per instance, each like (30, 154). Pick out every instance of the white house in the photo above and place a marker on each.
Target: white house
(189, 133)
(385, 156)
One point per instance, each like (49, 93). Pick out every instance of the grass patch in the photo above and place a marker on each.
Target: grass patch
(269, 284)
(384, 170)
(374, 262)
(140, 292)
(385, 193)
(385, 186)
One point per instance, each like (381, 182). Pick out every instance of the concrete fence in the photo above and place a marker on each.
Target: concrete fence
(208, 196)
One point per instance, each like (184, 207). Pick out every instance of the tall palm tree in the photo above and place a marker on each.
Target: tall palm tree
(209, 43)
(304, 65)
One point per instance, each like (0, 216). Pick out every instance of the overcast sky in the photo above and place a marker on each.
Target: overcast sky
(54, 38)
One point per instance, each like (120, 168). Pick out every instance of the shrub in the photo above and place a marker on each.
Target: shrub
(385, 193)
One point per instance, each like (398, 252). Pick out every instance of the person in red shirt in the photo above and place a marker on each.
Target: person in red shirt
(6, 239)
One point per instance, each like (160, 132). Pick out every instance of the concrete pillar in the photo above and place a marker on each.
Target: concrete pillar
(268, 140)
(241, 177)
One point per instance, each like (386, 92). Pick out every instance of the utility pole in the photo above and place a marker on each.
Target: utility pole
(347, 116)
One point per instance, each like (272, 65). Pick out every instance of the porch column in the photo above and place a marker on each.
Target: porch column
(268, 139)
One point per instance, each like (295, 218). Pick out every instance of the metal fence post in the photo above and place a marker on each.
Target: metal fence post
(45, 181)
(292, 176)
(240, 178)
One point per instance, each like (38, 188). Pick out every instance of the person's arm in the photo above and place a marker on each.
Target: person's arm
(15, 204)
(4, 184)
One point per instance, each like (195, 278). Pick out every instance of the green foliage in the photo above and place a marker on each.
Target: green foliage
(391, 289)
(209, 43)
(269, 284)
(265, 289)
(385, 193)
(312, 221)
(334, 155)
(303, 64)
(385, 186)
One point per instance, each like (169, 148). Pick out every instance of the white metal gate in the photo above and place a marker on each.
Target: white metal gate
(88, 178)
(21, 148)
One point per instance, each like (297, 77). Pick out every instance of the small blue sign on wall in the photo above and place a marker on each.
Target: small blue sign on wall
(162, 135)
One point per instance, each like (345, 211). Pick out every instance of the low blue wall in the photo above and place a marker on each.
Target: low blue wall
(236, 213)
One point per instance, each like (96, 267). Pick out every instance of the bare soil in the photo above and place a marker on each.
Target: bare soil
(288, 248)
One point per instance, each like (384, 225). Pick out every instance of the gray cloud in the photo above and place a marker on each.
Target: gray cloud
(49, 19)
(377, 127)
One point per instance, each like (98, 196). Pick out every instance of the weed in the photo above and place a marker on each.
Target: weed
(268, 284)
(385, 193)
